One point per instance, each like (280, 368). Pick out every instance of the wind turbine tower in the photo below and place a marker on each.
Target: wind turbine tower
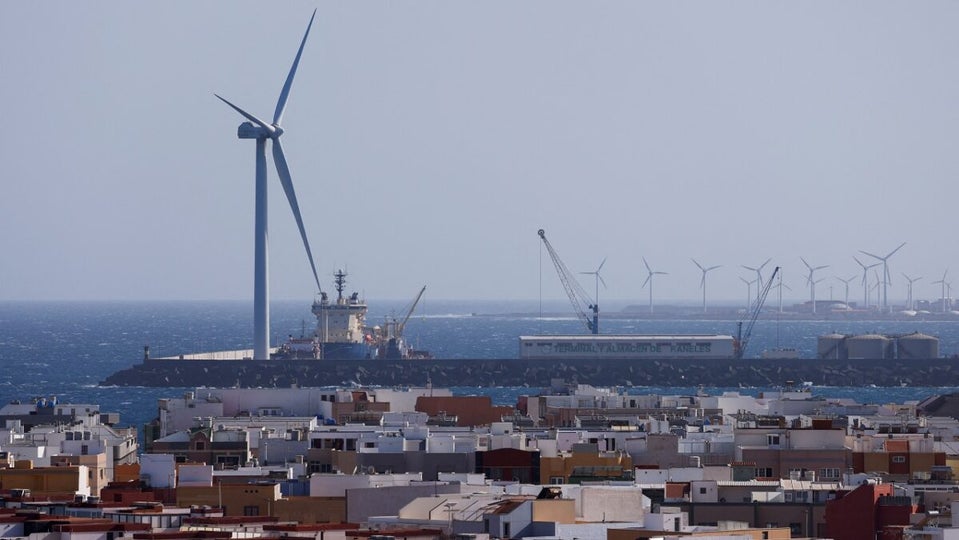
(261, 132)
(909, 302)
(865, 280)
(886, 278)
(649, 279)
(812, 283)
(943, 283)
(702, 283)
(749, 290)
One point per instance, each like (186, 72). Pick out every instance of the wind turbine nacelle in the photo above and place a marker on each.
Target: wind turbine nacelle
(249, 130)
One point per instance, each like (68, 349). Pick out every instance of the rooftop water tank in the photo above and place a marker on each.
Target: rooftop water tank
(868, 346)
(918, 346)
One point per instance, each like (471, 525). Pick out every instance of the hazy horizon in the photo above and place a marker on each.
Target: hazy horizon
(429, 141)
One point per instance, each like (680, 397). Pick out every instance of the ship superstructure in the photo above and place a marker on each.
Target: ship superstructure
(341, 331)
(341, 323)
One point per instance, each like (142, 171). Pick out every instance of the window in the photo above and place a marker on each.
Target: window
(251, 510)
(764, 472)
(702, 491)
(898, 459)
(557, 480)
(506, 531)
(772, 439)
(829, 473)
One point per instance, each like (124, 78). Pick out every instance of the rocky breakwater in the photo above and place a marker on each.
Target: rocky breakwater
(537, 373)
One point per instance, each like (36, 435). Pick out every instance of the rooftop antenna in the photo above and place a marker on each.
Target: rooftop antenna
(846, 283)
(260, 131)
(649, 279)
(943, 283)
(909, 302)
(702, 283)
(886, 277)
(598, 278)
(759, 272)
(865, 280)
(811, 282)
(749, 290)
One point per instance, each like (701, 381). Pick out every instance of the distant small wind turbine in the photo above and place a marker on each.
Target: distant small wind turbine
(702, 283)
(649, 279)
(759, 273)
(886, 277)
(779, 285)
(846, 283)
(260, 131)
(943, 283)
(865, 280)
(811, 282)
(598, 278)
(909, 303)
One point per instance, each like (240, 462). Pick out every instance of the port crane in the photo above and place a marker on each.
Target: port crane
(393, 330)
(742, 339)
(577, 295)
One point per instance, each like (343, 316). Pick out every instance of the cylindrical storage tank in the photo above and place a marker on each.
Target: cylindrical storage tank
(868, 346)
(831, 346)
(918, 346)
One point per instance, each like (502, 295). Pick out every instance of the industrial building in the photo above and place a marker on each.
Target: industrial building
(877, 346)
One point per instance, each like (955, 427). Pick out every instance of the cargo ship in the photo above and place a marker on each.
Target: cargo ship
(342, 333)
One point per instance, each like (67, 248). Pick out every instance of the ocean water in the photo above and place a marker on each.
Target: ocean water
(65, 349)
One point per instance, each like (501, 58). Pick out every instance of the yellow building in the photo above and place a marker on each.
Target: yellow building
(578, 466)
(55, 483)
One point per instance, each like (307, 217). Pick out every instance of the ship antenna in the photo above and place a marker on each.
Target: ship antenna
(340, 277)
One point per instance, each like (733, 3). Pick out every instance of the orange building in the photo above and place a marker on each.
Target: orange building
(63, 482)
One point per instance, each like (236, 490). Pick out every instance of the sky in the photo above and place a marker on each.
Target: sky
(429, 141)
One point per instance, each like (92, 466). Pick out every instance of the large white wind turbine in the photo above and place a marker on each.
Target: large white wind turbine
(943, 283)
(846, 283)
(759, 273)
(261, 132)
(886, 278)
(865, 280)
(909, 304)
(649, 279)
(702, 283)
(812, 283)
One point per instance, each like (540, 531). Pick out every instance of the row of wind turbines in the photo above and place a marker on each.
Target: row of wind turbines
(880, 286)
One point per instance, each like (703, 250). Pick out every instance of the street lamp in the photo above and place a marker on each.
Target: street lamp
(449, 515)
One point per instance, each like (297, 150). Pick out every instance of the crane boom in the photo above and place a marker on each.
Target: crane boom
(399, 327)
(577, 295)
(743, 339)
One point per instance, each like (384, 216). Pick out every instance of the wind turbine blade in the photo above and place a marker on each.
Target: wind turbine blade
(699, 265)
(859, 262)
(891, 253)
(870, 254)
(247, 115)
(285, 93)
(648, 269)
(601, 265)
(804, 262)
(711, 268)
(601, 280)
(761, 266)
(283, 170)
(649, 277)
(750, 268)
(821, 267)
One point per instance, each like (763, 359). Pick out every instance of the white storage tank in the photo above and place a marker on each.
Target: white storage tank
(831, 346)
(918, 346)
(868, 346)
